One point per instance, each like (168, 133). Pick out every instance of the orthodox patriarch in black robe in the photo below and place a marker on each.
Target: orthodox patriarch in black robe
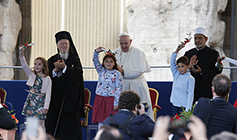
(67, 100)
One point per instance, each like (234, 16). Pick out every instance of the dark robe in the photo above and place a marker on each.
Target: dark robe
(68, 94)
(207, 58)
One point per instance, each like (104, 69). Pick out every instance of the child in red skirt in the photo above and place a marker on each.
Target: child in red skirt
(109, 86)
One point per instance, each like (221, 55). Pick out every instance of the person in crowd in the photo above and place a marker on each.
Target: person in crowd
(202, 64)
(67, 100)
(222, 115)
(225, 135)
(131, 119)
(108, 133)
(109, 87)
(183, 83)
(6, 121)
(132, 63)
(39, 93)
(196, 127)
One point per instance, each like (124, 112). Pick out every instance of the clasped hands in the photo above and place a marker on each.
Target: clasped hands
(59, 65)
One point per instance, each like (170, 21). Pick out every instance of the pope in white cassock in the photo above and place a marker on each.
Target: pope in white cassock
(132, 63)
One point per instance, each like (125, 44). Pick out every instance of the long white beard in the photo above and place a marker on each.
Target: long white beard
(64, 55)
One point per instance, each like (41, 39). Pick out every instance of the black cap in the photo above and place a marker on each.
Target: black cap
(62, 35)
(66, 35)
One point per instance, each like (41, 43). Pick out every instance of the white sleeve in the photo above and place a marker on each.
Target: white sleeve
(232, 61)
(131, 74)
(48, 93)
(54, 73)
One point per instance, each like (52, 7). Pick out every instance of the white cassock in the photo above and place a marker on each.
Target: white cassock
(134, 63)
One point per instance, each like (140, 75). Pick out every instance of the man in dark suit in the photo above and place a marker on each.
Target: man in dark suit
(223, 116)
(140, 125)
(204, 59)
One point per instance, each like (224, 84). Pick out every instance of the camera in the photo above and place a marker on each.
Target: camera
(195, 66)
(146, 107)
(178, 126)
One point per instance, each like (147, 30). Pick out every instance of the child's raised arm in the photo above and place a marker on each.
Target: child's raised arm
(23, 61)
(97, 64)
(179, 48)
(21, 51)
(99, 49)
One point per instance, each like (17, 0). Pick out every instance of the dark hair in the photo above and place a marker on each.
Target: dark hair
(45, 65)
(113, 57)
(128, 100)
(109, 133)
(221, 84)
(184, 60)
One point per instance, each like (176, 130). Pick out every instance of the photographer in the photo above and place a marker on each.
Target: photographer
(131, 121)
(217, 114)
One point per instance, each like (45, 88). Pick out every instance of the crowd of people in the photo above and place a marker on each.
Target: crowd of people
(56, 94)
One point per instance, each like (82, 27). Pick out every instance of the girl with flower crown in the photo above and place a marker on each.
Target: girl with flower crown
(109, 86)
(39, 93)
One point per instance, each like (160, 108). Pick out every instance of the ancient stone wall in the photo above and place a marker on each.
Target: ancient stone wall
(158, 26)
(10, 24)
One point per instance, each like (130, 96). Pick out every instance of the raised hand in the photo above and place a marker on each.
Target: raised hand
(161, 128)
(99, 49)
(219, 59)
(21, 50)
(197, 128)
(179, 47)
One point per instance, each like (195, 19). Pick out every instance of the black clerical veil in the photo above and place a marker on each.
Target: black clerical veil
(66, 35)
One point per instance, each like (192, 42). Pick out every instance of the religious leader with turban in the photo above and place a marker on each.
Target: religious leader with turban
(133, 64)
(67, 100)
(205, 59)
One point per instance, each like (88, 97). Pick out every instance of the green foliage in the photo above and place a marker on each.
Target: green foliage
(185, 115)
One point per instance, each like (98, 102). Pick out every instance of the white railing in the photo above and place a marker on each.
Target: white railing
(158, 73)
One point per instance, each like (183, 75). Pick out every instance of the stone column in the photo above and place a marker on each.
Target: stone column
(10, 25)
